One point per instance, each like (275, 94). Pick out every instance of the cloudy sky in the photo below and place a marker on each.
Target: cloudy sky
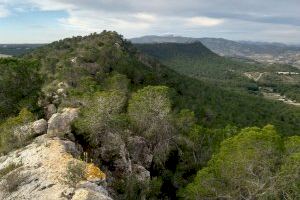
(39, 21)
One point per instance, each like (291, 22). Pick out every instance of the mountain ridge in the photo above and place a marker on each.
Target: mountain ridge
(259, 51)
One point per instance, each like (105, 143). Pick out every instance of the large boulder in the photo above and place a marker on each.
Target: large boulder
(39, 127)
(60, 123)
(139, 151)
(30, 130)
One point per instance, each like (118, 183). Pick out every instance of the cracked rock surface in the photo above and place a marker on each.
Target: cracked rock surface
(37, 171)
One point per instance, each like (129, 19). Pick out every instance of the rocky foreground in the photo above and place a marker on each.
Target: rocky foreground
(49, 168)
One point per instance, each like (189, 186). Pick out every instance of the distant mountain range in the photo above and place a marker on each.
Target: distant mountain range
(259, 51)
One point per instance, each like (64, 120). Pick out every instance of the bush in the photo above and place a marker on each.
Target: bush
(245, 167)
(100, 114)
(75, 173)
(20, 84)
(150, 110)
(11, 131)
(8, 169)
(13, 180)
(117, 82)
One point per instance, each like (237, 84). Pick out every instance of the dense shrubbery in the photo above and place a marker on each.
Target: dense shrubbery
(215, 107)
(255, 164)
(100, 115)
(13, 131)
(20, 84)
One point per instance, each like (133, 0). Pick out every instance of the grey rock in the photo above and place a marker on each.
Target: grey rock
(50, 110)
(113, 150)
(139, 151)
(39, 127)
(141, 174)
(42, 166)
(59, 124)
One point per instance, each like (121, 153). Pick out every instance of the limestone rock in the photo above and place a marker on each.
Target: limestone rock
(38, 171)
(87, 194)
(39, 127)
(50, 110)
(113, 150)
(60, 123)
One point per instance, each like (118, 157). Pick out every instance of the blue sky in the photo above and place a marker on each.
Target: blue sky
(42, 21)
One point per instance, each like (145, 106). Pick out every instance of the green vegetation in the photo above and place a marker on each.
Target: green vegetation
(179, 125)
(99, 56)
(8, 169)
(13, 180)
(75, 173)
(255, 164)
(13, 131)
(20, 84)
(101, 114)
(149, 109)
(195, 60)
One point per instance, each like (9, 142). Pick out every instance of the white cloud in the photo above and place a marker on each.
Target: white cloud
(233, 19)
(145, 17)
(52, 5)
(203, 21)
(4, 12)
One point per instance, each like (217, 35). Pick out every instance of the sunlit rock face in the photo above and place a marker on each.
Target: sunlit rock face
(42, 170)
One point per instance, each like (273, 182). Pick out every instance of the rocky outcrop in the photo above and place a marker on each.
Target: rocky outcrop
(113, 152)
(40, 171)
(39, 127)
(48, 168)
(50, 110)
(31, 130)
(60, 123)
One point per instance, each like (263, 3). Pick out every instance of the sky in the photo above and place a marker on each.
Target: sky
(43, 21)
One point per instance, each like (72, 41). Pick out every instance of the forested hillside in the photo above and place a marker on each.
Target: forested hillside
(260, 51)
(155, 133)
(195, 60)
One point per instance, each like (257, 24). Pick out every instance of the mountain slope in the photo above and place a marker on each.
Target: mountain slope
(259, 51)
(148, 128)
(108, 52)
(194, 59)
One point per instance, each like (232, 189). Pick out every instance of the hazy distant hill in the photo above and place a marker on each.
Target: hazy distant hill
(17, 49)
(259, 51)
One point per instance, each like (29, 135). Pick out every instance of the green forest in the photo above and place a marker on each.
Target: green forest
(197, 61)
(206, 132)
